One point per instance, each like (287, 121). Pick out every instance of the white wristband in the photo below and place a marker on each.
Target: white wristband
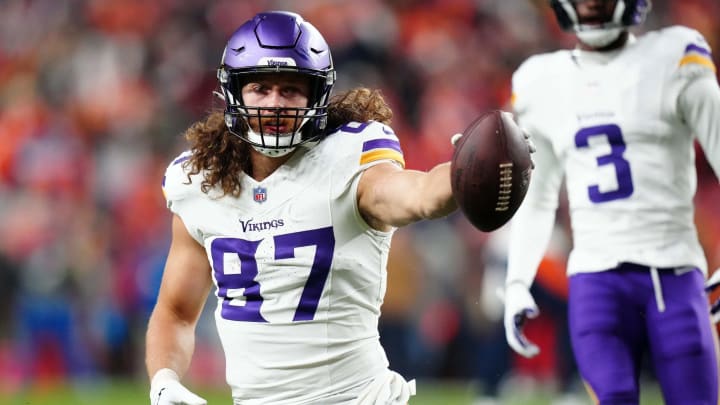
(164, 374)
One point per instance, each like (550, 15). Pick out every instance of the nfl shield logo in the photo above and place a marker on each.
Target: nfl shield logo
(259, 194)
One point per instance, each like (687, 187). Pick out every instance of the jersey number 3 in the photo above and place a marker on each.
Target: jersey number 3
(614, 136)
(235, 285)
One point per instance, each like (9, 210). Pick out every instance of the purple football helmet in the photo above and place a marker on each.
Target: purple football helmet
(626, 13)
(274, 42)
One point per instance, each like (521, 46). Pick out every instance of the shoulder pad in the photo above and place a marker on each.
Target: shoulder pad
(175, 182)
(690, 51)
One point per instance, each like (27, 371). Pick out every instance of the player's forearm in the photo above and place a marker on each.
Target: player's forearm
(530, 233)
(422, 195)
(437, 199)
(400, 197)
(170, 343)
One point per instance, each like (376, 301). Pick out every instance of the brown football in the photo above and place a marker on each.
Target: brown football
(490, 170)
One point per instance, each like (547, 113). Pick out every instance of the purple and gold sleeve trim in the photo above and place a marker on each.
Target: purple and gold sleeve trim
(698, 55)
(180, 160)
(185, 156)
(381, 149)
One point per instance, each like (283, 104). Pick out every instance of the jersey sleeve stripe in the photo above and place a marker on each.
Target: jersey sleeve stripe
(382, 154)
(180, 160)
(163, 187)
(698, 59)
(697, 49)
(381, 144)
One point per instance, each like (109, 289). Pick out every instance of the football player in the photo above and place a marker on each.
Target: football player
(616, 117)
(287, 203)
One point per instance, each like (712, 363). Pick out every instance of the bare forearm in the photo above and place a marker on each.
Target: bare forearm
(437, 192)
(389, 196)
(170, 343)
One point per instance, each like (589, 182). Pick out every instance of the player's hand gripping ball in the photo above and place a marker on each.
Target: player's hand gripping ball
(490, 169)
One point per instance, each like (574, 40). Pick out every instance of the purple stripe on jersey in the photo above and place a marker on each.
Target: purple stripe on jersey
(180, 160)
(381, 144)
(697, 49)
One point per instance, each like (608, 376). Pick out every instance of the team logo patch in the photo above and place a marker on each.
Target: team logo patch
(259, 194)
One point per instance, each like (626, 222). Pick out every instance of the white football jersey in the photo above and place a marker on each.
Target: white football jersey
(299, 275)
(611, 123)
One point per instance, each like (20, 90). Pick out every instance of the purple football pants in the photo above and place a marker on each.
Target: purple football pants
(615, 318)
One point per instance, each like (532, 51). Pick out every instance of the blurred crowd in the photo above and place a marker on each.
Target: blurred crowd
(95, 96)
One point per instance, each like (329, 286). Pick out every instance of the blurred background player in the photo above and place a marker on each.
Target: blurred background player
(287, 203)
(618, 116)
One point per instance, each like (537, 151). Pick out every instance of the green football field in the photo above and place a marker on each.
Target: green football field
(131, 393)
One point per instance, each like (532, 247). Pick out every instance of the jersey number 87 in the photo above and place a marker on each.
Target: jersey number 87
(230, 284)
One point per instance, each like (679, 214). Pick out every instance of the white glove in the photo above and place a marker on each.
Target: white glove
(711, 285)
(166, 389)
(529, 141)
(519, 306)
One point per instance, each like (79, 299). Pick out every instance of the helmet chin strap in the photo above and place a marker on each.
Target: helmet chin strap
(599, 38)
(280, 140)
(282, 152)
(273, 152)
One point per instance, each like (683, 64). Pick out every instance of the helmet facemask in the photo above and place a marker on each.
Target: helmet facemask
(254, 124)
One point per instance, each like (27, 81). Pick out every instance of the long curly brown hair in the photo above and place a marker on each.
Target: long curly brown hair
(223, 157)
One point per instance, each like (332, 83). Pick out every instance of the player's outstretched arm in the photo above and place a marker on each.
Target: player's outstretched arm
(391, 196)
(170, 338)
